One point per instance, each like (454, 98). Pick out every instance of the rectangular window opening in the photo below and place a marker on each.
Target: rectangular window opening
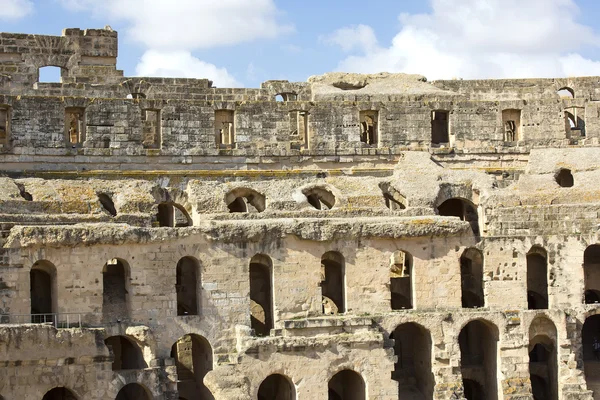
(151, 129)
(299, 129)
(440, 127)
(224, 128)
(368, 127)
(4, 127)
(75, 125)
(511, 120)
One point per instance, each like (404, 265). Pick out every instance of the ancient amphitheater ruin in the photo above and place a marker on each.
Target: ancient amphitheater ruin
(347, 238)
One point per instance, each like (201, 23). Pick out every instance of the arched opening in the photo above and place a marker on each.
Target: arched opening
(564, 178)
(59, 393)
(394, 200)
(261, 294)
(115, 290)
(333, 283)
(566, 93)
(463, 209)
(574, 122)
(537, 279)
(591, 273)
(368, 127)
(276, 387)
(243, 200)
(471, 278)
(134, 391)
(478, 352)
(401, 280)
(412, 370)
(279, 98)
(107, 203)
(42, 279)
(346, 385)
(51, 74)
(543, 359)
(194, 359)
(187, 285)
(320, 198)
(126, 353)
(440, 127)
(590, 341)
(173, 215)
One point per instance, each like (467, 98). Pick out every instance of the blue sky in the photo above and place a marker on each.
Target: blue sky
(245, 42)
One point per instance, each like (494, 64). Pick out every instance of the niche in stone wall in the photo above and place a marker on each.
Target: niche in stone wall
(4, 127)
(400, 280)
(471, 278)
(333, 280)
(194, 359)
(299, 129)
(537, 279)
(224, 128)
(440, 127)
(319, 198)
(115, 290)
(75, 125)
(42, 279)
(186, 286)
(574, 122)
(511, 122)
(151, 129)
(261, 294)
(368, 127)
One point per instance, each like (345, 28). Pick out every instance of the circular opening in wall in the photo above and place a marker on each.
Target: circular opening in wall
(564, 178)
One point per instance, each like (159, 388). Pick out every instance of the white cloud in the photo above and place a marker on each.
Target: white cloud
(182, 64)
(15, 9)
(361, 37)
(190, 24)
(478, 39)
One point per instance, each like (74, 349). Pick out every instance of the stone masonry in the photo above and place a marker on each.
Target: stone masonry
(346, 238)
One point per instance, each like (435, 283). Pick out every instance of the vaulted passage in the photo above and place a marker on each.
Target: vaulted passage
(412, 371)
(134, 391)
(347, 385)
(478, 364)
(276, 387)
(186, 285)
(537, 279)
(115, 290)
(590, 340)
(173, 215)
(193, 358)
(42, 279)
(126, 353)
(463, 209)
(261, 294)
(591, 271)
(471, 278)
(243, 200)
(59, 393)
(401, 280)
(320, 198)
(333, 283)
(543, 367)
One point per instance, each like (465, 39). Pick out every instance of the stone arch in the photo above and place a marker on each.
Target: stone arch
(591, 272)
(333, 283)
(462, 208)
(245, 200)
(43, 291)
(261, 294)
(401, 271)
(60, 393)
(134, 391)
(590, 340)
(193, 356)
(126, 353)
(187, 286)
(412, 370)
(173, 215)
(471, 278)
(478, 342)
(393, 199)
(543, 358)
(276, 387)
(537, 278)
(566, 92)
(115, 290)
(319, 197)
(347, 385)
